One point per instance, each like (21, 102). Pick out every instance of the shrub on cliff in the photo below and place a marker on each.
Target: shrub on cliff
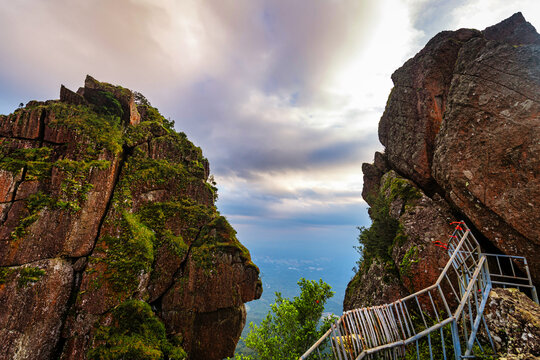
(375, 241)
(291, 326)
(135, 333)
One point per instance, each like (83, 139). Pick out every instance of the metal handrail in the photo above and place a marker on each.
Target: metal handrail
(361, 332)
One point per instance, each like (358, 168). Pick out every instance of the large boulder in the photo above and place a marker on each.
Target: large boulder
(408, 259)
(415, 107)
(108, 186)
(487, 151)
(462, 125)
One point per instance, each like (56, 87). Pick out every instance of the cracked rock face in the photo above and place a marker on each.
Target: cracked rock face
(462, 123)
(104, 206)
(487, 151)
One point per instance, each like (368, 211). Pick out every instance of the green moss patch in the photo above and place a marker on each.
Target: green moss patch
(34, 204)
(29, 275)
(190, 216)
(98, 131)
(105, 103)
(73, 193)
(75, 186)
(145, 131)
(385, 232)
(401, 188)
(151, 114)
(5, 275)
(411, 257)
(26, 275)
(128, 255)
(35, 160)
(136, 333)
(219, 235)
(401, 236)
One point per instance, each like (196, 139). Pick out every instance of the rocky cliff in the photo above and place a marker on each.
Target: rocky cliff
(461, 133)
(110, 242)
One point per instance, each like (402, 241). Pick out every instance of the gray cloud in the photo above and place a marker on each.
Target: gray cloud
(250, 81)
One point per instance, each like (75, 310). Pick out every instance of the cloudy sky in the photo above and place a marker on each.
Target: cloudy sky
(283, 96)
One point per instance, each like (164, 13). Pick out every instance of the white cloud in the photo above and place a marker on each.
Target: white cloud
(283, 96)
(480, 14)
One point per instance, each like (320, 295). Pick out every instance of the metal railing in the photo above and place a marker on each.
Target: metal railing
(416, 324)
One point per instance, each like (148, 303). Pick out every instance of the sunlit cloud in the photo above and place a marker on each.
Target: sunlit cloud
(284, 97)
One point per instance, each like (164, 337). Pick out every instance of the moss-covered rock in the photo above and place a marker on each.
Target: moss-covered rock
(398, 251)
(103, 179)
(136, 333)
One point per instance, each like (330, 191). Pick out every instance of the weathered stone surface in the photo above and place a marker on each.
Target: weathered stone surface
(372, 177)
(416, 105)
(71, 97)
(221, 341)
(56, 231)
(514, 31)
(204, 287)
(216, 282)
(514, 323)
(92, 93)
(127, 199)
(378, 284)
(487, 154)
(414, 261)
(463, 123)
(23, 123)
(33, 308)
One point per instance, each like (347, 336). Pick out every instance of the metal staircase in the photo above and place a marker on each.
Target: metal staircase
(441, 321)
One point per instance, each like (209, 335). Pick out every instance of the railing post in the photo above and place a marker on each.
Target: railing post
(533, 288)
(365, 332)
(455, 340)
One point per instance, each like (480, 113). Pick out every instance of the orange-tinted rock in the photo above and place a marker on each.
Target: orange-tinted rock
(463, 123)
(415, 107)
(213, 287)
(204, 287)
(220, 340)
(23, 123)
(55, 231)
(126, 199)
(488, 155)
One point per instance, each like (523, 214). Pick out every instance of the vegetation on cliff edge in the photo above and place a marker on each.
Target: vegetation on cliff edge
(291, 326)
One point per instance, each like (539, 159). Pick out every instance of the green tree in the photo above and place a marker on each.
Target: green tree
(376, 241)
(290, 327)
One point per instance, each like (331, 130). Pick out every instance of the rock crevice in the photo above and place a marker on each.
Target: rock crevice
(118, 217)
(461, 127)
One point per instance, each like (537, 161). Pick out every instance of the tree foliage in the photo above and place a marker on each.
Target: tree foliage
(291, 326)
(375, 241)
